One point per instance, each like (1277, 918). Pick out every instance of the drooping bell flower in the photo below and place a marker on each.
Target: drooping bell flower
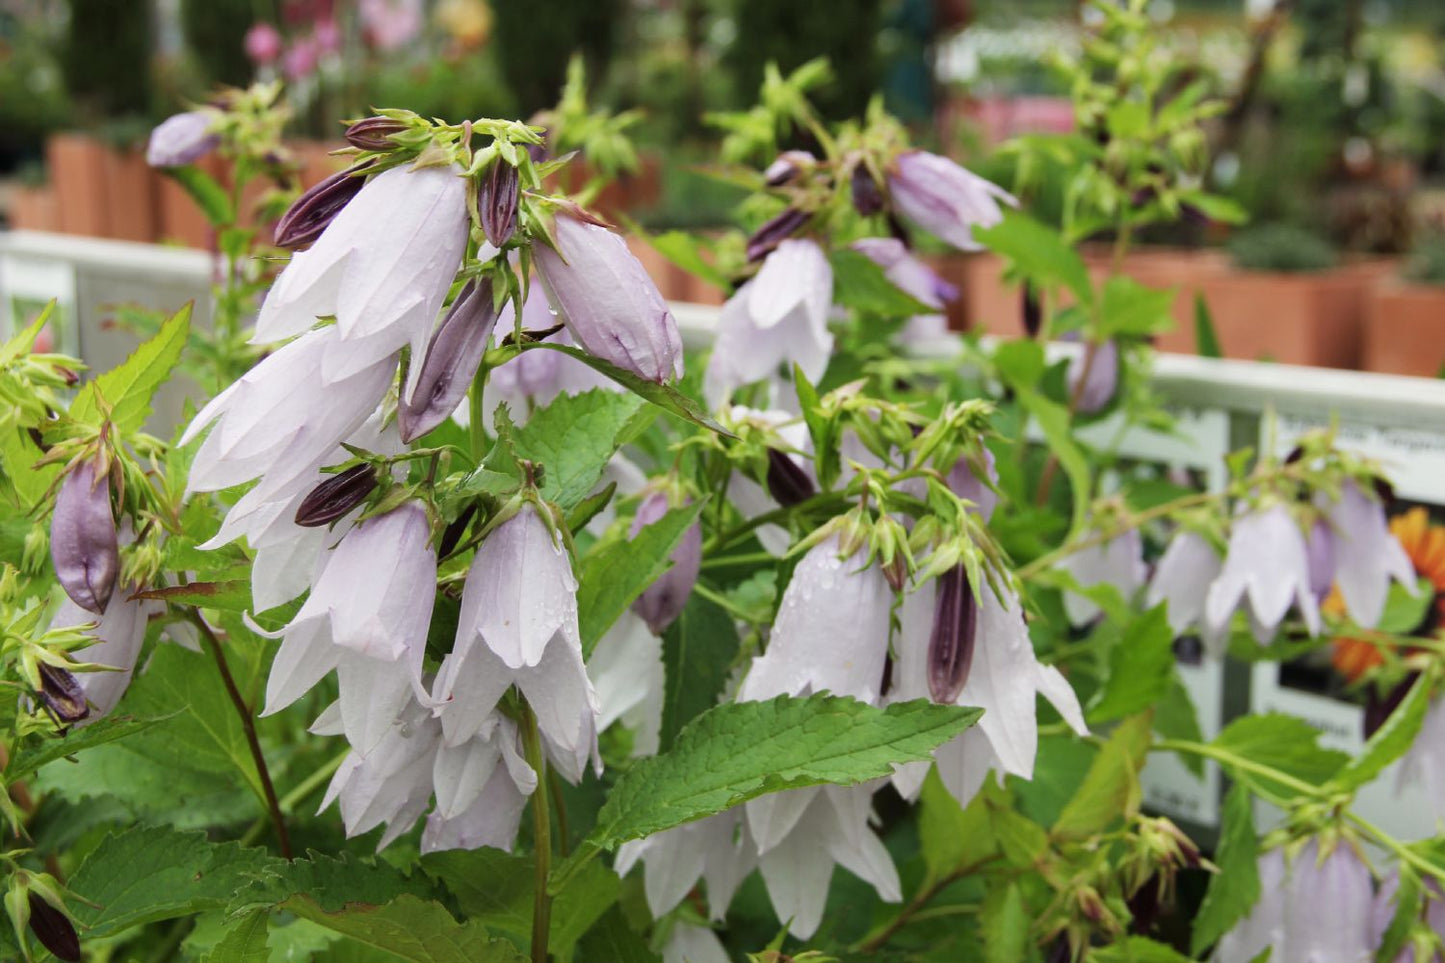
(1424, 762)
(481, 788)
(907, 272)
(83, 542)
(1005, 679)
(374, 133)
(626, 671)
(1118, 562)
(1263, 927)
(182, 139)
(1266, 570)
(497, 202)
(1182, 579)
(1312, 907)
(1092, 390)
(382, 268)
(119, 634)
(1367, 555)
(452, 357)
(609, 304)
(662, 602)
(311, 213)
(1320, 547)
(716, 850)
(943, 198)
(690, 943)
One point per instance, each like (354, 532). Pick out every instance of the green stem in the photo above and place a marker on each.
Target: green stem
(1403, 852)
(875, 940)
(1227, 758)
(728, 561)
(475, 426)
(820, 500)
(294, 798)
(542, 836)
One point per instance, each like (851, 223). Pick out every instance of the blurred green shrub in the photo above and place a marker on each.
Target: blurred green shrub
(1426, 264)
(1285, 248)
(215, 33)
(792, 33)
(534, 43)
(107, 55)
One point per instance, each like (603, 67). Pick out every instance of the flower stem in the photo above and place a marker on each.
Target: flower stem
(541, 833)
(248, 724)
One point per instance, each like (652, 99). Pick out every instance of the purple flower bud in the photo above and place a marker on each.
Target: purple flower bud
(452, 534)
(53, 929)
(788, 483)
(497, 202)
(336, 496)
(373, 133)
(867, 196)
(609, 304)
(82, 538)
(181, 139)
(943, 198)
(950, 645)
(789, 165)
(313, 211)
(663, 601)
(1099, 382)
(452, 357)
(1032, 310)
(62, 694)
(775, 231)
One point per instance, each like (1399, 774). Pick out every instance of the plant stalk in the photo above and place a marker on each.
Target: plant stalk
(542, 836)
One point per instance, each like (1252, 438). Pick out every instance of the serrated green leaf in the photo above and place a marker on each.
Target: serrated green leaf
(697, 652)
(128, 388)
(244, 942)
(859, 283)
(412, 929)
(1234, 890)
(209, 196)
(1141, 668)
(574, 437)
(27, 484)
(1021, 840)
(32, 757)
(1054, 421)
(1132, 310)
(233, 595)
(330, 882)
(1005, 924)
(1206, 339)
(1286, 743)
(1111, 789)
(616, 571)
(155, 873)
(1038, 254)
(739, 751)
(1392, 740)
(1136, 949)
(666, 397)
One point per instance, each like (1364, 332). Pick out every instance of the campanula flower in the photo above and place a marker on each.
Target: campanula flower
(662, 601)
(1182, 579)
(182, 139)
(1118, 562)
(1367, 555)
(943, 198)
(119, 633)
(1266, 570)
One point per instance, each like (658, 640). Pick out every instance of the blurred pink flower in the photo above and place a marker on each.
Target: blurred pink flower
(263, 43)
(328, 36)
(299, 61)
(389, 24)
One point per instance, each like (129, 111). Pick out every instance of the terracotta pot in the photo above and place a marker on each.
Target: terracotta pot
(34, 209)
(670, 279)
(131, 191)
(181, 219)
(77, 168)
(1405, 329)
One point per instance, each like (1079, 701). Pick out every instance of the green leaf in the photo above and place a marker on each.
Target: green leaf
(951, 836)
(1215, 207)
(233, 595)
(1278, 741)
(685, 250)
(494, 889)
(1005, 924)
(1141, 668)
(128, 388)
(617, 570)
(156, 873)
(1020, 362)
(741, 750)
(1038, 253)
(616, 942)
(665, 397)
(1111, 789)
(1392, 740)
(1054, 421)
(113, 727)
(859, 283)
(1405, 612)
(1136, 949)
(27, 482)
(209, 196)
(697, 652)
(331, 882)
(1234, 890)
(1131, 310)
(412, 929)
(1408, 897)
(1175, 717)
(574, 437)
(245, 942)
(1206, 339)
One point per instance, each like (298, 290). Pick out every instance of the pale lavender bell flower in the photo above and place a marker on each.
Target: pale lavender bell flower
(716, 850)
(1424, 762)
(690, 943)
(1005, 679)
(1320, 547)
(1182, 579)
(182, 139)
(916, 279)
(1092, 390)
(83, 541)
(964, 481)
(518, 625)
(366, 618)
(627, 672)
(536, 377)
(119, 634)
(1367, 554)
(943, 198)
(662, 602)
(1266, 570)
(383, 267)
(1118, 562)
(609, 304)
(780, 317)
(481, 788)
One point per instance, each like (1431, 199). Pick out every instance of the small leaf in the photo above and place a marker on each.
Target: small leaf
(1141, 668)
(1392, 740)
(1136, 949)
(953, 837)
(859, 283)
(1038, 253)
(1111, 789)
(1130, 309)
(209, 196)
(412, 929)
(1005, 924)
(33, 756)
(128, 388)
(1234, 890)
(1020, 362)
(1206, 339)
(1286, 743)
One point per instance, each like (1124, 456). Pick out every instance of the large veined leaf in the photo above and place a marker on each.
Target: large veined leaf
(411, 929)
(128, 388)
(697, 654)
(1277, 741)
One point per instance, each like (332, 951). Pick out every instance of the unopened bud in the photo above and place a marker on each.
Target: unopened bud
(314, 210)
(775, 231)
(787, 167)
(62, 694)
(867, 197)
(374, 133)
(452, 534)
(497, 202)
(787, 482)
(951, 643)
(336, 496)
(452, 357)
(83, 538)
(663, 601)
(1033, 311)
(53, 929)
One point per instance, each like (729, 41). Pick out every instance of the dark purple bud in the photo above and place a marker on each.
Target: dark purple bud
(1379, 708)
(787, 167)
(867, 196)
(775, 231)
(1191, 214)
(82, 538)
(955, 626)
(62, 694)
(452, 356)
(1385, 492)
(53, 929)
(452, 534)
(1144, 906)
(663, 601)
(787, 482)
(70, 377)
(1143, 196)
(538, 152)
(336, 496)
(497, 202)
(1033, 311)
(1295, 454)
(309, 215)
(373, 133)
